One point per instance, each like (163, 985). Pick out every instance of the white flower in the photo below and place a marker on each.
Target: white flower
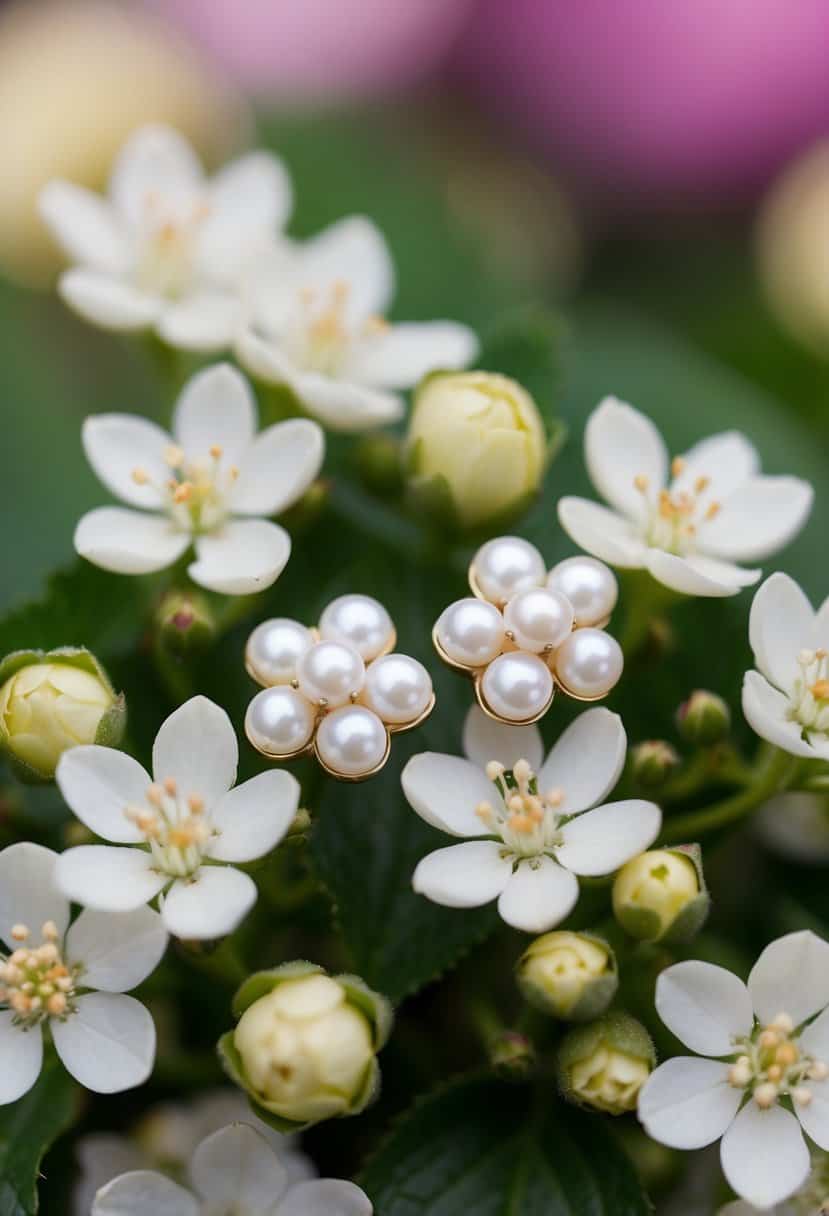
(167, 248)
(234, 1170)
(192, 486)
(71, 979)
(766, 1048)
(795, 825)
(185, 823)
(532, 837)
(317, 327)
(688, 524)
(787, 700)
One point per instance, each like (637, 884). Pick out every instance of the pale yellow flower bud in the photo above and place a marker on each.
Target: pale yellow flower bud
(569, 975)
(653, 889)
(603, 1065)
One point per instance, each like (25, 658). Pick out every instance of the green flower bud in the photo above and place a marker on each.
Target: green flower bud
(569, 975)
(185, 622)
(604, 1064)
(476, 447)
(380, 464)
(653, 762)
(512, 1055)
(704, 719)
(661, 895)
(306, 1043)
(53, 701)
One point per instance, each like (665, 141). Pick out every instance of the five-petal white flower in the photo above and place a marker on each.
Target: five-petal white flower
(767, 1045)
(73, 979)
(168, 248)
(316, 326)
(689, 522)
(176, 830)
(209, 485)
(786, 701)
(234, 1171)
(534, 833)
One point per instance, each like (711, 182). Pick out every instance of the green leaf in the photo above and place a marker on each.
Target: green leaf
(482, 1147)
(27, 1129)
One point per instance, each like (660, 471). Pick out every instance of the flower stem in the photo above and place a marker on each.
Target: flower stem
(645, 600)
(774, 772)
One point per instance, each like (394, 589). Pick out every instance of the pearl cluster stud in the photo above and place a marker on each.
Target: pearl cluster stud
(525, 630)
(338, 691)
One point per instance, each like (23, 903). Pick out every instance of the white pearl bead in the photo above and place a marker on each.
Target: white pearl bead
(279, 721)
(274, 649)
(517, 686)
(538, 619)
(589, 663)
(471, 632)
(361, 622)
(398, 688)
(589, 585)
(352, 741)
(331, 672)
(506, 565)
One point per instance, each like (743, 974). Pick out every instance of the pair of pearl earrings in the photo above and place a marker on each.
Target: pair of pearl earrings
(339, 690)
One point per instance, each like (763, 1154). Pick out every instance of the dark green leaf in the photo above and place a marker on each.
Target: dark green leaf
(27, 1128)
(527, 346)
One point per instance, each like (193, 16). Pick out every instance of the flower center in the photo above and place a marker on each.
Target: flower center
(321, 332)
(168, 242)
(175, 827)
(527, 822)
(771, 1065)
(196, 494)
(673, 516)
(36, 982)
(809, 702)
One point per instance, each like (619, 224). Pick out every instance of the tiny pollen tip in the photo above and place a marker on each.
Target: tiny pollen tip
(713, 511)
(806, 657)
(677, 466)
(765, 1095)
(522, 771)
(820, 690)
(484, 811)
(641, 482)
(196, 803)
(49, 931)
(173, 456)
(821, 652)
(516, 803)
(182, 492)
(701, 484)
(783, 1022)
(216, 451)
(233, 472)
(802, 1095)
(170, 786)
(494, 770)
(556, 796)
(20, 933)
(140, 476)
(769, 1038)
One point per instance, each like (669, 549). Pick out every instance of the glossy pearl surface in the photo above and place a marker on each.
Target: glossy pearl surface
(506, 565)
(538, 619)
(275, 648)
(397, 688)
(279, 721)
(360, 621)
(517, 686)
(589, 585)
(471, 632)
(331, 672)
(589, 663)
(352, 741)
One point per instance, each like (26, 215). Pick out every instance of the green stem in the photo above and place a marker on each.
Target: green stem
(645, 600)
(773, 774)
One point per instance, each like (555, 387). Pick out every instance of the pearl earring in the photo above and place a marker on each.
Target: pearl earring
(524, 630)
(336, 691)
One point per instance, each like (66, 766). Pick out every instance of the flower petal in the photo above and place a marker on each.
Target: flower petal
(696, 575)
(196, 746)
(760, 517)
(706, 1007)
(620, 445)
(604, 533)
(815, 1038)
(814, 1117)
(210, 904)
(720, 571)
(538, 895)
(116, 445)
(791, 976)
(246, 556)
(207, 321)
(115, 879)
(155, 162)
(352, 251)
(397, 357)
(688, 1103)
(342, 406)
(601, 840)
(21, 1058)
(142, 1192)
(795, 825)
(235, 1169)
(764, 1156)
(102, 299)
(29, 894)
(249, 200)
(464, 875)
(445, 790)
(118, 949)
(99, 783)
(278, 467)
(765, 709)
(252, 818)
(215, 408)
(586, 761)
(129, 542)
(484, 739)
(781, 624)
(85, 227)
(725, 461)
(108, 1044)
(325, 1197)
